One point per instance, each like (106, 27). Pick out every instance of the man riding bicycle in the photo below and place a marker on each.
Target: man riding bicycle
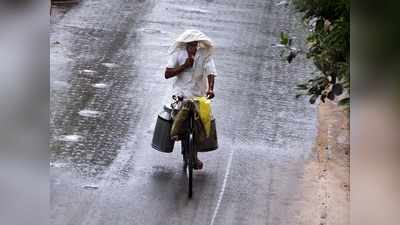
(191, 64)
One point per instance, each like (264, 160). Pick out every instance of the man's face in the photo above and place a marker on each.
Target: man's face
(192, 47)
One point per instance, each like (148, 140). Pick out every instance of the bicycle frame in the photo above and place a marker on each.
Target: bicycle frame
(189, 152)
(188, 146)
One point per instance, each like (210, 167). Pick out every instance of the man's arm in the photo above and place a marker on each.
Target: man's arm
(210, 91)
(171, 72)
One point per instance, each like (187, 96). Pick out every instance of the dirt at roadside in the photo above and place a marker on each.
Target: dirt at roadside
(325, 186)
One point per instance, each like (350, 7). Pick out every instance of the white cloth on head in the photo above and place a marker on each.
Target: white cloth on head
(193, 35)
(192, 82)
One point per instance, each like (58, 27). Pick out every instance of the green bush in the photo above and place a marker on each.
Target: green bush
(328, 47)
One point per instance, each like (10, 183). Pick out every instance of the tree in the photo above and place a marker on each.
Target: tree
(328, 47)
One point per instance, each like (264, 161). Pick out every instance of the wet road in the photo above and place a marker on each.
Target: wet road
(107, 61)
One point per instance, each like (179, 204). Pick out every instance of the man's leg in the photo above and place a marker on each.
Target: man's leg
(199, 164)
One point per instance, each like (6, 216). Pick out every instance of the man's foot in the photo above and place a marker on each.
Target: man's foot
(176, 138)
(198, 165)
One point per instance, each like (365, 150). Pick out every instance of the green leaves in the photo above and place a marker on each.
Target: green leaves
(287, 42)
(328, 47)
(284, 38)
(337, 89)
(313, 99)
(344, 102)
(302, 87)
(331, 96)
(291, 56)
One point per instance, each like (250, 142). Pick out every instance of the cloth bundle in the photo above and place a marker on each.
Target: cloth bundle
(202, 120)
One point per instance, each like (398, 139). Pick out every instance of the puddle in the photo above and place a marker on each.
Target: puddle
(285, 3)
(151, 31)
(278, 45)
(193, 10)
(90, 187)
(87, 71)
(90, 113)
(110, 65)
(58, 165)
(70, 138)
(100, 85)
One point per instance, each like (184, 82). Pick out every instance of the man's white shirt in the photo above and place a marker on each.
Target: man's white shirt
(192, 81)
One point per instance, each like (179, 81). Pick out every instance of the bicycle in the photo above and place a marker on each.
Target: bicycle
(188, 142)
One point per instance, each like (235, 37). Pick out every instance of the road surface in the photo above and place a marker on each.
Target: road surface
(107, 86)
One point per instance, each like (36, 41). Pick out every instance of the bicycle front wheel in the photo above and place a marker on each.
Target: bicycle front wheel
(191, 164)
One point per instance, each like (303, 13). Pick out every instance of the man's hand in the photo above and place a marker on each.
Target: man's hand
(172, 72)
(210, 94)
(188, 63)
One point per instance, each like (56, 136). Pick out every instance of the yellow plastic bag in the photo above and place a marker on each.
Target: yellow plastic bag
(205, 113)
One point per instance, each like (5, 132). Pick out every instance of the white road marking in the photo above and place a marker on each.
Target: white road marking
(221, 193)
